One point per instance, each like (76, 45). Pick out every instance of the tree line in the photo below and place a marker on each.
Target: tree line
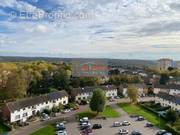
(22, 79)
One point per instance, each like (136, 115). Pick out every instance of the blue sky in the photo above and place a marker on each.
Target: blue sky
(122, 29)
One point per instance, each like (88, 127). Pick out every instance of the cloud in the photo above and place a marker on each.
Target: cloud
(160, 27)
(166, 46)
(37, 28)
(118, 28)
(175, 6)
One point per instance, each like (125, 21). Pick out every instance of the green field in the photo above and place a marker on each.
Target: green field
(48, 130)
(136, 109)
(108, 112)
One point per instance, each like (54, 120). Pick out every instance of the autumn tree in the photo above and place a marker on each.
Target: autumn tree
(132, 93)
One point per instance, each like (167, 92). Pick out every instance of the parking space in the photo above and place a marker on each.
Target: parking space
(108, 129)
(107, 125)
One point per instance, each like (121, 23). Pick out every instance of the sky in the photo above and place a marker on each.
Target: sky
(120, 29)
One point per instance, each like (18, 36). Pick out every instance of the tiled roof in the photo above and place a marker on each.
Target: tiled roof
(27, 102)
(170, 86)
(166, 96)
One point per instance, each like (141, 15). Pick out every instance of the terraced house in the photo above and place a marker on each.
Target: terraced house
(20, 111)
(86, 92)
(165, 99)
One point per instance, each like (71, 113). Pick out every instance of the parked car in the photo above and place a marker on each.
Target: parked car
(161, 132)
(60, 126)
(136, 133)
(149, 124)
(123, 131)
(117, 97)
(117, 124)
(140, 118)
(61, 132)
(45, 117)
(87, 131)
(111, 100)
(66, 110)
(22, 124)
(126, 123)
(85, 125)
(84, 102)
(168, 133)
(97, 126)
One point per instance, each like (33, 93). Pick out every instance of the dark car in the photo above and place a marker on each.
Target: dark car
(22, 124)
(161, 132)
(97, 126)
(149, 124)
(140, 118)
(87, 131)
(136, 133)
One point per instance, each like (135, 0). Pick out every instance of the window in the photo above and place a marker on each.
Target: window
(17, 117)
(24, 114)
(64, 102)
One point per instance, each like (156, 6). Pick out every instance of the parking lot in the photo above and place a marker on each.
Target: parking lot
(108, 129)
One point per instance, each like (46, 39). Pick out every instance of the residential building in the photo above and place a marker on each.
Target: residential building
(165, 63)
(89, 68)
(20, 111)
(166, 99)
(171, 89)
(86, 92)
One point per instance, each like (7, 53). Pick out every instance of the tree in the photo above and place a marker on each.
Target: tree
(171, 116)
(150, 91)
(132, 93)
(16, 86)
(98, 101)
(164, 78)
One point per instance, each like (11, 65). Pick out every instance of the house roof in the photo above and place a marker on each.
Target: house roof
(27, 102)
(77, 91)
(170, 86)
(172, 98)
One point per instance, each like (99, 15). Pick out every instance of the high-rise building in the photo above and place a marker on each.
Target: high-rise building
(165, 63)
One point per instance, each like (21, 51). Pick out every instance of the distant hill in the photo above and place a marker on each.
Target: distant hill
(111, 62)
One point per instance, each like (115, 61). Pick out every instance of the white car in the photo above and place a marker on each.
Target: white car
(66, 110)
(61, 133)
(126, 123)
(117, 124)
(123, 131)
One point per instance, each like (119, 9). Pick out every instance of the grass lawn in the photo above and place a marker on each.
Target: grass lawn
(108, 112)
(135, 109)
(3, 128)
(48, 130)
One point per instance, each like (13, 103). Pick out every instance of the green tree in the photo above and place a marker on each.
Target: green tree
(164, 78)
(171, 116)
(132, 93)
(98, 101)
